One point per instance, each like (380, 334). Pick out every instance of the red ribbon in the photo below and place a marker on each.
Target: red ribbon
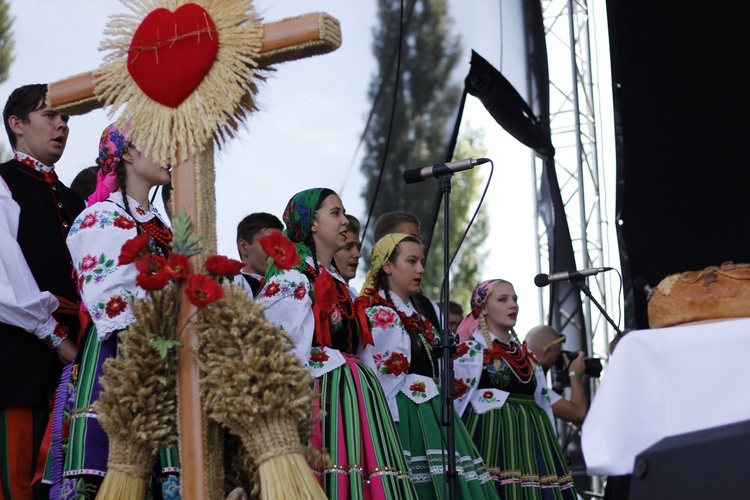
(322, 325)
(363, 321)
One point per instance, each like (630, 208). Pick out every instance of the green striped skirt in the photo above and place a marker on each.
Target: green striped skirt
(359, 454)
(521, 451)
(423, 435)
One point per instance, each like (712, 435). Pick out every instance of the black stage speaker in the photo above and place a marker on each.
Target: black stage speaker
(707, 464)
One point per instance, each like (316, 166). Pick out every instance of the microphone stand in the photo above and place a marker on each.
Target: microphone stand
(585, 289)
(447, 379)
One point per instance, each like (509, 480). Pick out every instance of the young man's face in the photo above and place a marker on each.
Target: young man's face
(43, 136)
(347, 259)
(255, 259)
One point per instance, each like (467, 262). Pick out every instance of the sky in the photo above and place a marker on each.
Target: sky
(312, 113)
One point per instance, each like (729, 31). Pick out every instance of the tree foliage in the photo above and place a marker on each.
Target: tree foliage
(415, 132)
(425, 104)
(6, 50)
(6, 40)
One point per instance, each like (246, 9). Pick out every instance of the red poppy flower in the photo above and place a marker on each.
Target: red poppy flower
(460, 350)
(219, 265)
(123, 222)
(115, 306)
(460, 388)
(280, 249)
(177, 265)
(319, 356)
(151, 264)
(271, 289)
(396, 364)
(201, 290)
(133, 247)
(155, 281)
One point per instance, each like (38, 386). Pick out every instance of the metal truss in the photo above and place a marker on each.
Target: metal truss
(574, 131)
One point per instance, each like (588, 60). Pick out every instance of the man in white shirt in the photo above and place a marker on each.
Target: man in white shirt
(39, 301)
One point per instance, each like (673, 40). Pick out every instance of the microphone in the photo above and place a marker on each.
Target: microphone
(541, 280)
(419, 174)
(642, 284)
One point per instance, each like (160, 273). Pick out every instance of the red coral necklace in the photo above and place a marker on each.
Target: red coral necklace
(158, 232)
(514, 356)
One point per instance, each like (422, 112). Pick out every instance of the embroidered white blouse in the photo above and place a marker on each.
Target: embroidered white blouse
(95, 242)
(467, 368)
(391, 350)
(288, 305)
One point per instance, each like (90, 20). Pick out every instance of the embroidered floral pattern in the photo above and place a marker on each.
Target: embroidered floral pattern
(300, 291)
(382, 317)
(317, 357)
(418, 389)
(115, 306)
(488, 397)
(123, 222)
(460, 350)
(93, 268)
(271, 289)
(102, 219)
(285, 288)
(395, 364)
(89, 221)
(461, 388)
(468, 351)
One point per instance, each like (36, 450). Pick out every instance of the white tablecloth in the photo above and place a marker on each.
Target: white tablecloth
(664, 382)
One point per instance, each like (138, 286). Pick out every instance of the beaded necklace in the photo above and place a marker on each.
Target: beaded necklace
(161, 234)
(514, 356)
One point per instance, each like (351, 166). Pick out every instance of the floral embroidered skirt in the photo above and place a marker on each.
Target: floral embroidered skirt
(521, 451)
(365, 458)
(420, 428)
(78, 456)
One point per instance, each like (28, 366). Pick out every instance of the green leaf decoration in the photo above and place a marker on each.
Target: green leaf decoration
(182, 229)
(163, 346)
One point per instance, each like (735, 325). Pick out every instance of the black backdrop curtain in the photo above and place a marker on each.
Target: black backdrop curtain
(679, 71)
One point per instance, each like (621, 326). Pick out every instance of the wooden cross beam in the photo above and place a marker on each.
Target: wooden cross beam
(295, 38)
(193, 183)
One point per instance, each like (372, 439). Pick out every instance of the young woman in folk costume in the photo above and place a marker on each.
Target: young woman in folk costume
(495, 387)
(311, 302)
(406, 367)
(118, 210)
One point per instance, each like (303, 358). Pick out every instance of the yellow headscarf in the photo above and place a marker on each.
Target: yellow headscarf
(380, 254)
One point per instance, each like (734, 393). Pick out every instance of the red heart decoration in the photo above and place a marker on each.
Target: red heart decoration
(171, 53)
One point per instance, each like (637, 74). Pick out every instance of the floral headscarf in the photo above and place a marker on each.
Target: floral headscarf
(478, 300)
(298, 218)
(380, 254)
(112, 146)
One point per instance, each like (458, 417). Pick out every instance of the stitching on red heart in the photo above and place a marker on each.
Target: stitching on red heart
(172, 52)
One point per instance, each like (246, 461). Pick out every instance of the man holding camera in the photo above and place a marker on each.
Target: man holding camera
(546, 344)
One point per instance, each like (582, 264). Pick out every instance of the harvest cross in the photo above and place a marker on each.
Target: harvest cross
(161, 72)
